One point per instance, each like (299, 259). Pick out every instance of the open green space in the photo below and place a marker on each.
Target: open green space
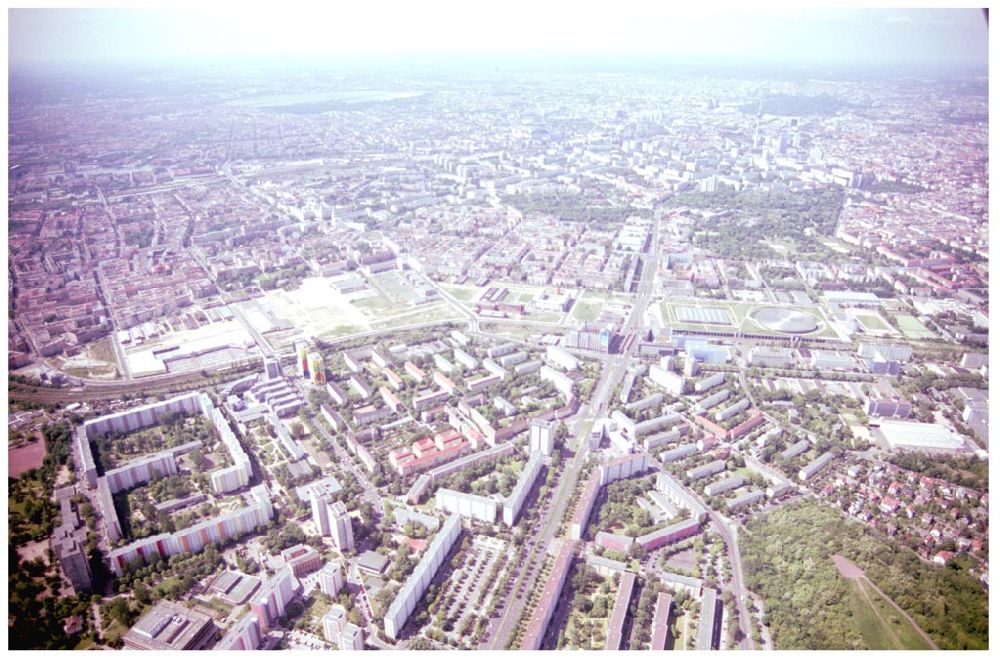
(912, 328)
(879, 623)
(808, 605)
(872, 322)
(759, 219)
(587, 311)
(462, 292)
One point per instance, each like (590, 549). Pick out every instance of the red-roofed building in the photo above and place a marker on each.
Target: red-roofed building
(426, 453)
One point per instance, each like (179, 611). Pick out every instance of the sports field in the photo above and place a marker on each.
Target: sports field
(739, 315)
(871, 321)
(912, 328)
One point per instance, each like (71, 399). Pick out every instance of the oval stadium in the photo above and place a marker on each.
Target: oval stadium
(786, 321)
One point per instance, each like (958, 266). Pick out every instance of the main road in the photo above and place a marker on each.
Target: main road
(612, 372)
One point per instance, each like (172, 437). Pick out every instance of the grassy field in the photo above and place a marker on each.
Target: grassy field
(587, 311)
(912, 328)
(879, 623)
(872, 322)
(463, 292)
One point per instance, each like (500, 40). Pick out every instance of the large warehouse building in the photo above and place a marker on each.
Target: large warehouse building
(919, 436)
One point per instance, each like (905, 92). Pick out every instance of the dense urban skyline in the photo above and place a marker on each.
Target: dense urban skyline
(550, 327)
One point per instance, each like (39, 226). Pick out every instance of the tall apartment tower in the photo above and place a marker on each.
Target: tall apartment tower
(340, 527)
(331, 579)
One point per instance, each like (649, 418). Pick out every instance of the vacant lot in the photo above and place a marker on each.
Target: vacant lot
(24, 458)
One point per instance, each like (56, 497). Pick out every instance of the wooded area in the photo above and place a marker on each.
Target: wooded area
(786, 559)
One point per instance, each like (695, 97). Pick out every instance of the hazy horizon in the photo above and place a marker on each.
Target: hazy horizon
(441, 31)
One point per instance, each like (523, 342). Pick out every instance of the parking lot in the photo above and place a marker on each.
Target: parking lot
(467, 585)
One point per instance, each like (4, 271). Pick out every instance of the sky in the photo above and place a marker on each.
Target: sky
(208, 31)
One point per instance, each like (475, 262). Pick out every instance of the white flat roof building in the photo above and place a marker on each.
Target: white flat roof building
(916, 435)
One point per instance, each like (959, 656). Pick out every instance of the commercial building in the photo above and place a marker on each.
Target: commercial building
(467, 505)
(512, 505)
(661, 621)
(549, 599)
(415, 586)
(168, 626)
(887, 352)
(918, 436)
(617, 620)
(769, 356)
(882, 400)
(233, 587)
